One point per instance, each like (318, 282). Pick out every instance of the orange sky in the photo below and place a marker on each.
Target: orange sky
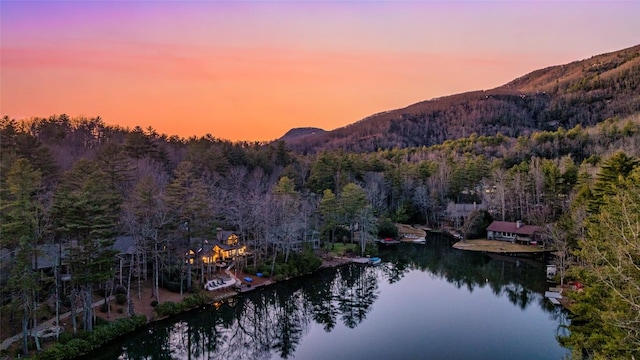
(253, 70)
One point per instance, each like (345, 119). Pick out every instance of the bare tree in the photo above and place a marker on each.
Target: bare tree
(423, 200)
(376, 192)
(558, 238)
(146, 216)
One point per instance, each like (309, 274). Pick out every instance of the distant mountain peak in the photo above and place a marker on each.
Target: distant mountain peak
(296, 134)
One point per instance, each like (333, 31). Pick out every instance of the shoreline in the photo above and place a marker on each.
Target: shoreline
(499, 247)
(212, 297)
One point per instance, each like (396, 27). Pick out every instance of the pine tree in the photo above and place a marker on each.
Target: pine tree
(87, 210)
(22, 229)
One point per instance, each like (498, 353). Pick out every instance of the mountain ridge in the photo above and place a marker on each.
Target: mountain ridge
(582, 92)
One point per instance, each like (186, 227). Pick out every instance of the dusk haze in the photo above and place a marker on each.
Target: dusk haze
(253, 70)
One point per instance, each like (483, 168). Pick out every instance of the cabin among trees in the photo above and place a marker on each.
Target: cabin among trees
(515, 232)
(225, 247)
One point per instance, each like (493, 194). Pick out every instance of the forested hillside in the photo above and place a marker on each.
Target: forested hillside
(580, 93)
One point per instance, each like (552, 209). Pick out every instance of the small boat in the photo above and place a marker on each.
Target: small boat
(419, 240)
(551, 272)
(361, 260)
(375, 261)
(388, 241)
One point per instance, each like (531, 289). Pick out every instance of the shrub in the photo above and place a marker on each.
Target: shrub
(100, 322)
(102, 334)
(54, 352)
(265, 269)
(64, 337)
(387, 229)
(121, 299)
(76, 347)
(174, 286)
(167, 308)
(104, 308)
(193, 301)
(82, 334)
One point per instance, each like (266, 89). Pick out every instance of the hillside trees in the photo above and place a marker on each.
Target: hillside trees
(611, 173)
(351, 202)
(330, 170)
(288, 223)
(24, 223)
(146, 216)
(188, 198)
(330, 213)
(606, 317)
(257, 199)
(86, 213)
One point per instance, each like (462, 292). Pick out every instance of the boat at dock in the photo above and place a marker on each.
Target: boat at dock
(360, 260)
(551, 272)
(388, 241)
(375, 261)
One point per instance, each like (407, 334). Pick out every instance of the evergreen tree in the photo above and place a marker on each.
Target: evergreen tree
(23, 228)
(188, 198)
(86, 214)
(329, 211)
(352, 200)
(612, 172)
(606, 316)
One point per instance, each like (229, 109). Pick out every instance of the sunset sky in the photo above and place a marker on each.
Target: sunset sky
(253, 70)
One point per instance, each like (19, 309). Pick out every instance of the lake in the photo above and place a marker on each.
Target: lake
(424, 301)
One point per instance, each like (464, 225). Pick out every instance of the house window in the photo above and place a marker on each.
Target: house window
(232, 239)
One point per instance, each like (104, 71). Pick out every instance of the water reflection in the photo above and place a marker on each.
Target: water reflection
(274, 321)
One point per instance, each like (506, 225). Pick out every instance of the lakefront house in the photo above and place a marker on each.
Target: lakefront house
(515, 232)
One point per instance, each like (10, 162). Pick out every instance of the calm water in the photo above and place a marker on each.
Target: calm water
(423, 302)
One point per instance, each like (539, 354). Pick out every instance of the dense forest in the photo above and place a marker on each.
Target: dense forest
(567, 160)
(580, 93)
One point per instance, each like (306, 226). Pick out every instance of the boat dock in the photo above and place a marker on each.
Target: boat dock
(246, 287)
(554, 295)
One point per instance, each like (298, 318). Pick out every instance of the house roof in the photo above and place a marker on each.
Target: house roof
(224, 235)
(47, 256)
(224, 246)
(512, 227)
(125, 245)
(208, 245)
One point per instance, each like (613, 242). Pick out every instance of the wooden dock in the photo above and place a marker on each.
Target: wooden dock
(246, 287)
(554, 295)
